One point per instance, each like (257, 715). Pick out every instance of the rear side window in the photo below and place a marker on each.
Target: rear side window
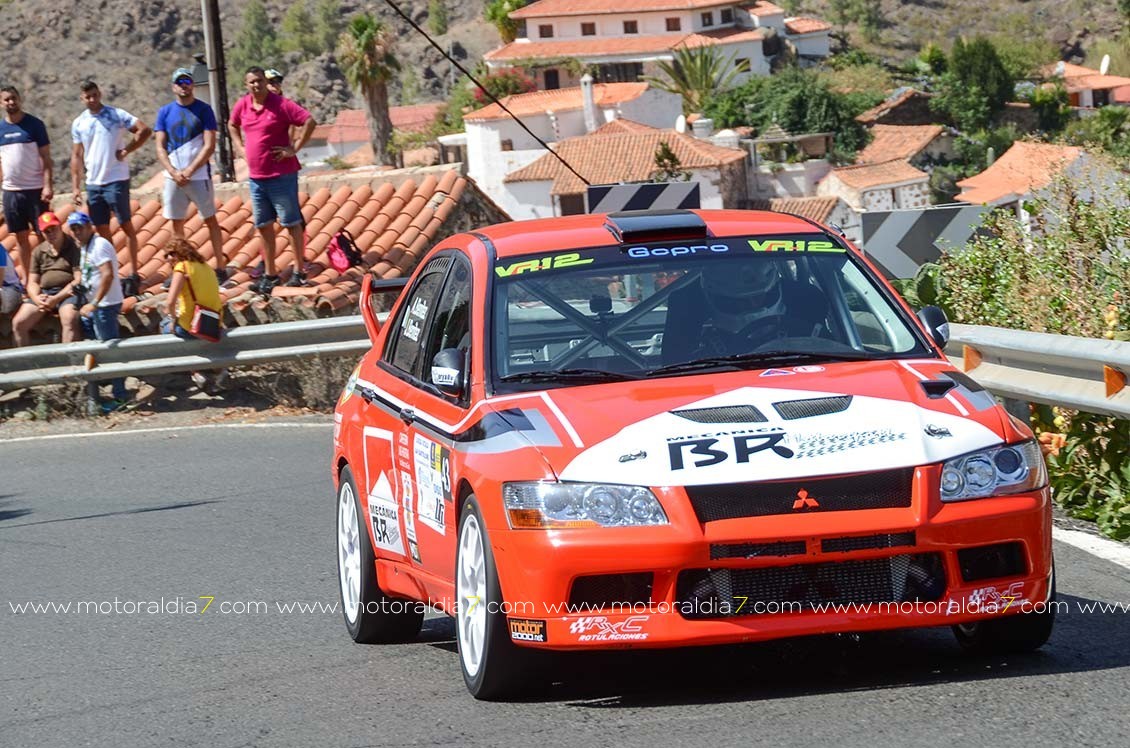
(408, 339)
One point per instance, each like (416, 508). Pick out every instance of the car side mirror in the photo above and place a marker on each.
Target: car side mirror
(449, 372)
(935, 322)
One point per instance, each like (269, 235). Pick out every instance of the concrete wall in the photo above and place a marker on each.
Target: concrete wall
(523, 200)
(812, 45)
(656, 108)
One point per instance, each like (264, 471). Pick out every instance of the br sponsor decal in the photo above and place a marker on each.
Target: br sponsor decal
(527, 630)
(600, 629)
(732, 446)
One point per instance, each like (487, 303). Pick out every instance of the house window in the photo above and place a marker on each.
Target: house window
(674, 24)
(631, 27)
(727, 15)
(588, 29)
(742, 64)
(506, 145)
(571, 205)
(545, 31)
(707, 19)
(552, 79)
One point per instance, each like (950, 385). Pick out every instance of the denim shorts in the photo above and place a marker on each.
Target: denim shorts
(276, 197)
(103, 198)
(22, 208)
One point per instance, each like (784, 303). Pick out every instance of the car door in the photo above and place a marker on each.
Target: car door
(386, 446)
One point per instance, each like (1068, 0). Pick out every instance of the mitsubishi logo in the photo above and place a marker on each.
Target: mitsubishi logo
(804, 501)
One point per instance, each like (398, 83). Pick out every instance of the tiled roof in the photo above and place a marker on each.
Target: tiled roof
(547, 8)
(806, 25)
(898, 141)
(764, 8)
(350, 125)
(393, 226)
(876, 112)
(1078, 78)
(1022, 168)
(871, 176)
(620, 45)
(1121, 95)
(626, 157)
(558, 100)
(620, 125)
(818, 209)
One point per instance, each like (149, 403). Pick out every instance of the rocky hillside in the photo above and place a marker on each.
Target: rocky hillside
(130, 48)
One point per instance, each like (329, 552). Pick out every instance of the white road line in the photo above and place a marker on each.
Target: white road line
(1108, 550)
(91, 434)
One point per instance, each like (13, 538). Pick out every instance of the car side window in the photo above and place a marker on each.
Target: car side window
(407, 345)
(451, 325)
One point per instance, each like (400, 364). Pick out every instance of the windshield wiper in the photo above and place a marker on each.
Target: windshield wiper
(572, 375)
(767, 358)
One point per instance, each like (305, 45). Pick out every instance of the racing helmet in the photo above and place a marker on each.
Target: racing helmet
(743, 295)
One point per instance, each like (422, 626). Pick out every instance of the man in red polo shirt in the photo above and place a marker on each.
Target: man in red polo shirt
(260, 126)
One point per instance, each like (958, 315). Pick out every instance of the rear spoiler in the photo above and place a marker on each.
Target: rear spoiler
(375, 300)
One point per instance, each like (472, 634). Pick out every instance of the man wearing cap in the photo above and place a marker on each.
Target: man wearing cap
(54, 274)
(98, 265)
(25, 160)
(186, 138)
(100, 151)
(260, 127)
(274, 81)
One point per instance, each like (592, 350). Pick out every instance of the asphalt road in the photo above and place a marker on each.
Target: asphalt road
(246, 516)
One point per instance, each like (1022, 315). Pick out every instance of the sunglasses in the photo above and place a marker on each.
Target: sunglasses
(183, 82)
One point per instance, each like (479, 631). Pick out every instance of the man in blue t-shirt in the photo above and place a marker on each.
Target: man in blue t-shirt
(186, 139)
(25, 160)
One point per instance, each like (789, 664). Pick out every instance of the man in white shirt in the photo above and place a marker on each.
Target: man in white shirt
(25, 160)
(99, 152)
(98, 264)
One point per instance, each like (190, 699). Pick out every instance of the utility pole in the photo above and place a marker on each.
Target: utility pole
(217, 82)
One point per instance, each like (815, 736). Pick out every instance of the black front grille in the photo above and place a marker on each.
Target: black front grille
(723, 414)
(722, 593)
(867, 542)
(602, 590)
(758, 550)
(791, 410)
(992, 561)
(879, 490)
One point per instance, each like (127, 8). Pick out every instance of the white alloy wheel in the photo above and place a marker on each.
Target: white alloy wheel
(471, 588)
(348, 551)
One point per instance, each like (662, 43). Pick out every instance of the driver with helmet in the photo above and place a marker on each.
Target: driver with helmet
(744, 307)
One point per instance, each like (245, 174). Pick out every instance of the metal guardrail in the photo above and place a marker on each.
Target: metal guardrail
(1085, 374)
(1080, 373)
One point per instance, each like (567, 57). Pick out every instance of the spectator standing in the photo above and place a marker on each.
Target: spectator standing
(98, 265)
(274, 81)
(53, 276)
(25, 160)
(260, 126)
(186, 139)
(100, 151)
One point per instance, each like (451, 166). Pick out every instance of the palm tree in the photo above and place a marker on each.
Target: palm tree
(697, 74)
(364, 51)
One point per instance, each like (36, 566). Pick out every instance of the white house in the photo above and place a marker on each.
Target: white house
(496, 145)
(622, 40)
(892, 185)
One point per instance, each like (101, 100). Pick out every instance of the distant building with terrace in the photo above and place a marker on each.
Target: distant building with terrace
(623, 40)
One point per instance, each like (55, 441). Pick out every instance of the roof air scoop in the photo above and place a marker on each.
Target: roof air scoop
(655, 225)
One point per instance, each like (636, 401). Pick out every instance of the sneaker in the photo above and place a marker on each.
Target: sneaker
(297, 280)
(131, 285)
(199, 379)
(267, 284)
(258, 271)
(110, 406)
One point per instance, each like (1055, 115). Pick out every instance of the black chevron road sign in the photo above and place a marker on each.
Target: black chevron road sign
(900, 241)
(611, 198)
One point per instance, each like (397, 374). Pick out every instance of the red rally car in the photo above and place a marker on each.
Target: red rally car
(670, 428)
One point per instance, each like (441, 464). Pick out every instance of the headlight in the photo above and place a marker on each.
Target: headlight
(553, 505)
(994, 472)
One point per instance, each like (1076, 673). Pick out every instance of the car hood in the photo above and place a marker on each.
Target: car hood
(772, 424)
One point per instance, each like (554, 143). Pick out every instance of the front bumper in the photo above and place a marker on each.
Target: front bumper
(537, 571)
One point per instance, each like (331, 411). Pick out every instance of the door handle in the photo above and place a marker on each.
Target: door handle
(407, 415)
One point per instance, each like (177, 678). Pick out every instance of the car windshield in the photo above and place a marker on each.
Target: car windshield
(621, 313)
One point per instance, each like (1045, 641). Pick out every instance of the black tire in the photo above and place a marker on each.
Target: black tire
(378, 618)
(504, 670)
(1017, 634)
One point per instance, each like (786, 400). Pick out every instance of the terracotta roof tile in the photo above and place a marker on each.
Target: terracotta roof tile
(764, 8)
(806, 25)
(409, 216)
(1078, 78)
(558, 100)
(898, 141)
(620, 126)
(869, 176)
(1022, 168)
(818, 209)
(619, 45)
(625, 157)
(350, 125)
(548, 8)
(876, 112)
